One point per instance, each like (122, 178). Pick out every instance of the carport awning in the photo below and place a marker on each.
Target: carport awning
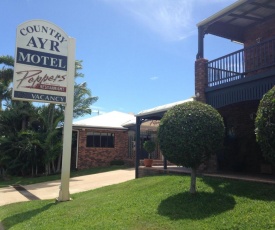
(151, 114)
(158, 112)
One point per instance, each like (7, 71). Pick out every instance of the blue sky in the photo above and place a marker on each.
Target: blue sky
(137, 54)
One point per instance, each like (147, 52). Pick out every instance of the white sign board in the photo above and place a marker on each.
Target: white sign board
(41, 63)
(44, 70)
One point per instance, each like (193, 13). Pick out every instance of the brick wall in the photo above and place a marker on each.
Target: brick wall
(93, 157)
(200, 79)
(240, 116)
(260, 58)
(241, 152)
(262, 31)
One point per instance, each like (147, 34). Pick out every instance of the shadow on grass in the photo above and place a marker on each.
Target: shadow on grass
(251, 190)
(21, 217)
(199, 206)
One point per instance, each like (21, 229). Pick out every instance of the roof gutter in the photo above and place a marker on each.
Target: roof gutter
(157, 110)
(224, 11)
(76, 127)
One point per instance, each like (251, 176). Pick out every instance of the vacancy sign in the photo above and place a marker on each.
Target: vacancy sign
(41, 63)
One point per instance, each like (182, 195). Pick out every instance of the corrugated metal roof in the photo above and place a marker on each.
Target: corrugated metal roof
(119, 120)
(232, 21)
(111, 120)
(161, 109)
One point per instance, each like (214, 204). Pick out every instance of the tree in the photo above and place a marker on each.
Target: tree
(149, 147)
(83, 98)
(45, 123)
(6, 76)
(189, 133)
(16, 139)
(29, 135)
(265, 125)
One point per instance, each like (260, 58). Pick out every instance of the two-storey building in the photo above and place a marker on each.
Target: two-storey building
(235, 83)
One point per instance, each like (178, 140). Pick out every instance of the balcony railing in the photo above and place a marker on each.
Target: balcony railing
(241, 63)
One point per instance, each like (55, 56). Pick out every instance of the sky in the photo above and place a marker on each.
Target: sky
(137, 54)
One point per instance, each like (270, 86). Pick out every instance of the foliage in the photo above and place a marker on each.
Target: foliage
(6, 76)
(265, 125)
(17, 142)
(221, 204)
(189, 133)
(83, 98)
(46, 123)
(149, 147)
(30, 140)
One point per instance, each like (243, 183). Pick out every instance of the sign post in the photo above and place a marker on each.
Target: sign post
(44, 69)
(64, 193)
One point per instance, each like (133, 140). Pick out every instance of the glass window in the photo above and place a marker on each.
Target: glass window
(101, 140)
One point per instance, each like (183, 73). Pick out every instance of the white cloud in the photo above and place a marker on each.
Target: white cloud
(171, 19)
(153, 78)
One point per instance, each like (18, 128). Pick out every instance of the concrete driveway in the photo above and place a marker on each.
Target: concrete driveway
(50, 190)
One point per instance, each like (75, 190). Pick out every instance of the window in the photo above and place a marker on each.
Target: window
(100, 140)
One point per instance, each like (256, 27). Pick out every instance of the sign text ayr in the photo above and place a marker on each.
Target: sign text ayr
(41, 63)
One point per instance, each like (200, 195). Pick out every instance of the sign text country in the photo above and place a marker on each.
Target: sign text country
(32, 29)
(40, 97)
(36, 58)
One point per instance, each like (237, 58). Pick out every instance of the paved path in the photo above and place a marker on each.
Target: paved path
(50, 190)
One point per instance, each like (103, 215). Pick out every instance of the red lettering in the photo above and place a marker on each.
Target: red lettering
(33, 78)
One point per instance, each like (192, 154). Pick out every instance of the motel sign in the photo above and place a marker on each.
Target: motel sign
(44, 69)
(41, 63)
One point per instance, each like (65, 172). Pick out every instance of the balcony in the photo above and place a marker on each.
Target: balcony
(241, 64)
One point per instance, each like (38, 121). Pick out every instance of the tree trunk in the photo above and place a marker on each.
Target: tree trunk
(53, 166)
(48, 168)
(24, 123)
(59, 163)
(193, 181)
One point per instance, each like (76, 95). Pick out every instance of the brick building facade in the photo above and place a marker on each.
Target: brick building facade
(101, 156)
(235, 83)
(105, 139)
(100, 140)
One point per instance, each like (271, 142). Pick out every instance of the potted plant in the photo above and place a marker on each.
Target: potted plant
(149, 147)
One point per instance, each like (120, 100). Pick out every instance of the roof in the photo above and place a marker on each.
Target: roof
(119, 120)
(232, 21)
(157, 112)
(111, 120)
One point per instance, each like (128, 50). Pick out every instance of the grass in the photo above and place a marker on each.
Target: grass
(159, 202)
(32, 180)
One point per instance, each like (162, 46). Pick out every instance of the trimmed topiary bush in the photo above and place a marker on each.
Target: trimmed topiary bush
(189, 133)
(265, 125)
(149, 147)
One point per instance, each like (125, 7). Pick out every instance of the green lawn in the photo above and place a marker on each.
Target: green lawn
(159, 202)
(32, 180)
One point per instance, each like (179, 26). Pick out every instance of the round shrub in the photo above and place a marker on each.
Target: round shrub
(265, 125)
(190, 132)
(149, 146)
